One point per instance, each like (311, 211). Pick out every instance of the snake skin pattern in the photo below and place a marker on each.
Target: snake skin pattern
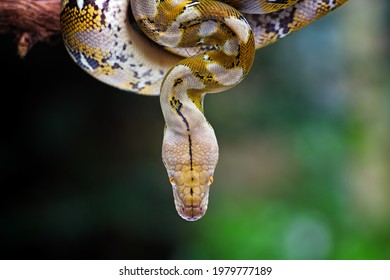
(191, 48)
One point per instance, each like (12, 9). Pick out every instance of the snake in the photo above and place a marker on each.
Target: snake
(180, 50)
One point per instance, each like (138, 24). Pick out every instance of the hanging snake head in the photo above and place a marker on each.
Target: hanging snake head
(190, 163)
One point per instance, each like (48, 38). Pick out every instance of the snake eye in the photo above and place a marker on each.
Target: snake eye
(171, 180)
(211, 180)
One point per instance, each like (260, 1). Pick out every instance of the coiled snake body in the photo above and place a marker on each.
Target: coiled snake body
(206, 46)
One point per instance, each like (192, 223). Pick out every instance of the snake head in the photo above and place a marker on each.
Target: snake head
(191, 191)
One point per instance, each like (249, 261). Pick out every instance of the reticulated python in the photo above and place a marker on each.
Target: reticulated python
(203, 46)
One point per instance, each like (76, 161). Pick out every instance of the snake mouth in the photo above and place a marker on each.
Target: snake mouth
(191, 213)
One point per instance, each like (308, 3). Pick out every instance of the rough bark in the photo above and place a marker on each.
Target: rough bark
(31, 21)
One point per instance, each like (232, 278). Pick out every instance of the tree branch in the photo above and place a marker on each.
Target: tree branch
(30, 20)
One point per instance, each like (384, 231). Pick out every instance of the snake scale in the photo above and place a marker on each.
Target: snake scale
(191, 47)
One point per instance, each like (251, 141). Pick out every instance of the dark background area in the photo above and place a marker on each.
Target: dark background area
(304, 155)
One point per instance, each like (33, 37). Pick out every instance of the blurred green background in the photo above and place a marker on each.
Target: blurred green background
(304, 169)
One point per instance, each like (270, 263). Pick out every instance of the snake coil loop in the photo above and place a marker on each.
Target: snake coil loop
(222, 35)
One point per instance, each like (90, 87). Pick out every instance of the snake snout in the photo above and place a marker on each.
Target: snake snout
(191, 195)
(190, 206)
